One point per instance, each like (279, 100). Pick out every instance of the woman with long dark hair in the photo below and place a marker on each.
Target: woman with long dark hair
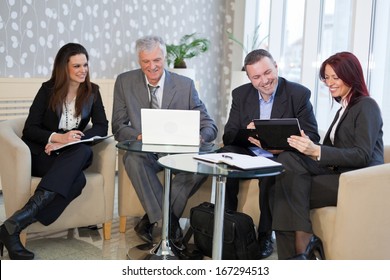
(353, 141)
(60, 112)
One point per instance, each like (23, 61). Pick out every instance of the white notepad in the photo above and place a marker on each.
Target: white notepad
(238, 160)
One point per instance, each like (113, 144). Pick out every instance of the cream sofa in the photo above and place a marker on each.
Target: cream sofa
(95, 205)
(359, 227)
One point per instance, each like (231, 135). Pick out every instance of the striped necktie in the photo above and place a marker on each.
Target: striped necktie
(153, 98)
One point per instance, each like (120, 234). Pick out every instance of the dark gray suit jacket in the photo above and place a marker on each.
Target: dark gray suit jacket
(131, 94)
(292, 100)
(358, 139)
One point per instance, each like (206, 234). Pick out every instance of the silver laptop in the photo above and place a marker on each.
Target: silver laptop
(170, 127)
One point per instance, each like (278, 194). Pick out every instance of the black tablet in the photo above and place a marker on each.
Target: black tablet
(273, 133)
(242, 137)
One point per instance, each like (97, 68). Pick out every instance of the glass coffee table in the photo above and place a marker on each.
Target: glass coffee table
(186, 163)
(164, 249)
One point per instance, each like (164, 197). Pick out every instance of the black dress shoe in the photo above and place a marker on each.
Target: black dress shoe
(189, 252)
(144, 229)
(266, 244)
(176, 232)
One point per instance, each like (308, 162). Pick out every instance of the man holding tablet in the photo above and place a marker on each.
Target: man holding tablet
(266, 97)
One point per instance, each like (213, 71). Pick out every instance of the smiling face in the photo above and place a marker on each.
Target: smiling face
(337, 87)
(264, 76)
(152, 64)
(78, 68)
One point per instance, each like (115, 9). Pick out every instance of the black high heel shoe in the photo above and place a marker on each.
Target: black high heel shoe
(314, 251)
(16, 250)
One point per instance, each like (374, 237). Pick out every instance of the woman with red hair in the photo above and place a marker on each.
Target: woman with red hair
(353, 141)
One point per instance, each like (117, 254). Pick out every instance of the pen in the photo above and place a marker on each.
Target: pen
(226, 156)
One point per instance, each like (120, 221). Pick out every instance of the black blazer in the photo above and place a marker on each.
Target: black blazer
(43, 121)
(358, 139)
(292, 100)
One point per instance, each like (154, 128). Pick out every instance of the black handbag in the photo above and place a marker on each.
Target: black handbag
(239, 234)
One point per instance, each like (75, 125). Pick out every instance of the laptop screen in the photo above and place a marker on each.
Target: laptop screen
(170, 127)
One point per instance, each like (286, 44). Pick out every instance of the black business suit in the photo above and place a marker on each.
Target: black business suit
(292, 100)
(307, 183)
(61, 172)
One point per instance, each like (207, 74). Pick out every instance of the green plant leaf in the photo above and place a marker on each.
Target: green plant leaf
(189, 46)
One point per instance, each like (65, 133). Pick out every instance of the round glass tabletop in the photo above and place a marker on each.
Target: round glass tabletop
(186, 163)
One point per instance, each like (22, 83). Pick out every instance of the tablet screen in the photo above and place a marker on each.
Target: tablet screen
(242, 137)
(273, 133)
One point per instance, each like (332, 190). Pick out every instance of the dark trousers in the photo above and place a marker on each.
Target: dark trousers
(303, 185)
(61, 173)
(142, 169)
(265, 195)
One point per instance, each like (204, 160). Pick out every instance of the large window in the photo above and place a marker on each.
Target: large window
(262, 22)
(290, 62)
(303, 33)
(379, 82)
(335, 32)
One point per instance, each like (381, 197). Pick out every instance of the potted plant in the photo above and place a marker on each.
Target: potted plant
(189, 46)
(251, 43)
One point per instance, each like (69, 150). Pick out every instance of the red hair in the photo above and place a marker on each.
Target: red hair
(347, 68)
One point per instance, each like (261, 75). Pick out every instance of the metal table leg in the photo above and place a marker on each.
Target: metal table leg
(218, 218)
(163, 250)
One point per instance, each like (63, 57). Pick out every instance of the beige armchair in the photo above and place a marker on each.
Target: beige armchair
(359, 227)
(130, 206)
(95, 205)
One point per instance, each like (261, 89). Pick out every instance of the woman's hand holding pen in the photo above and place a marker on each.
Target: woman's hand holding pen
(70, 136)
(304, 145)
(57, 140)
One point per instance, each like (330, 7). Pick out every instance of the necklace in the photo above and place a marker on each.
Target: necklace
(70, 123)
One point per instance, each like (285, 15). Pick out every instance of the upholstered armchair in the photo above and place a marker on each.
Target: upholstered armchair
(95, 205)
(359, 227)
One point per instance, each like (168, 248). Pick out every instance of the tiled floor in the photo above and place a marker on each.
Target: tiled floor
(83, 243)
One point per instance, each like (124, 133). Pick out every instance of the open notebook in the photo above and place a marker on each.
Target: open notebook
(170, 127)
(238, 160)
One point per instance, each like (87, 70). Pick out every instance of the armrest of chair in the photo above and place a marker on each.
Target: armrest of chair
(362, 226)
(15, 166)
(104, 162)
